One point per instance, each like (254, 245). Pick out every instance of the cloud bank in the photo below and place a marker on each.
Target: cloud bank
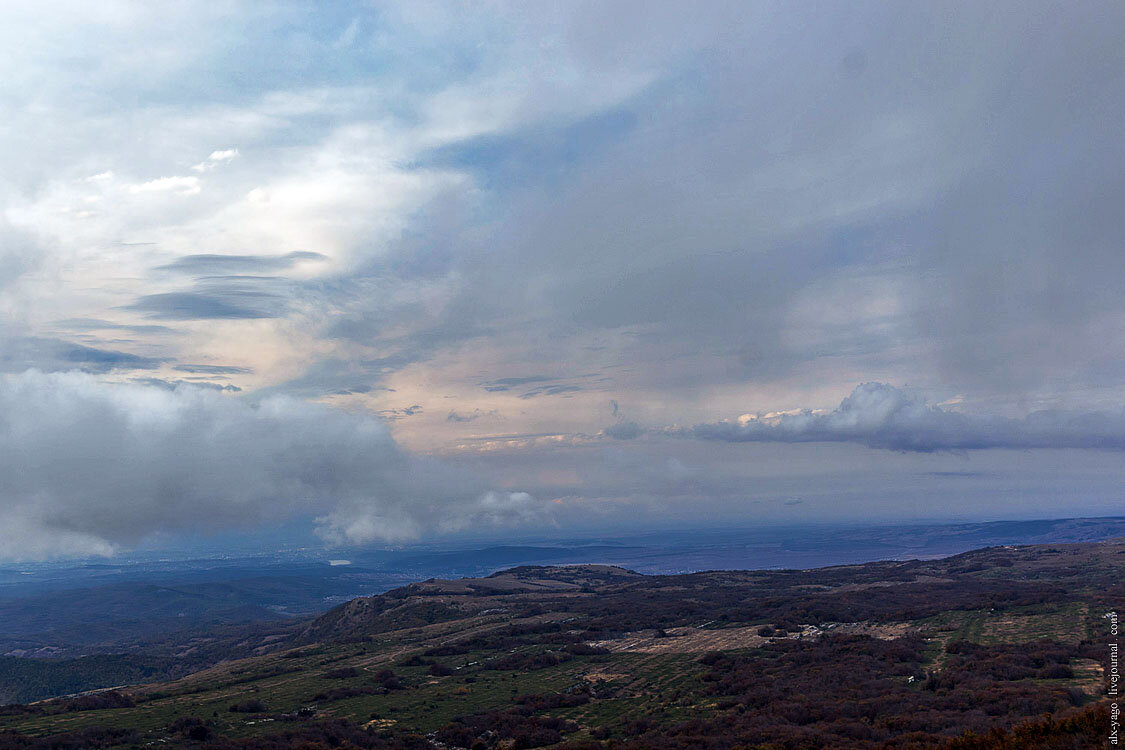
(510, 216)
(878, 415)
(87, 466)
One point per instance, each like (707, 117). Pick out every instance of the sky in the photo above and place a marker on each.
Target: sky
(400, 271)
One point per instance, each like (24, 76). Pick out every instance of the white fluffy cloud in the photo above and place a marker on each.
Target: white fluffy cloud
(217, 158)
(87, 466)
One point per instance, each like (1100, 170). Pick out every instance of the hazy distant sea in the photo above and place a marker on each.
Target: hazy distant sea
(49, 608)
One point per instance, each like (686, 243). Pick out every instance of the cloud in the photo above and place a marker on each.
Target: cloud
(551, 390)
(483, 444)
(95, 324)
(213, 369)
(86, 467)
(712, 205)
(337, 377)
(506, 384)
(550, 386)
(179, 185)
(229, 304)
(475, 414)
(624, 431)
(20, 252)
(174, 384)
(21, 352)
(395, 414)
(216, 158)
(862, 242)
(224, 297)
(878, 415)
(209, 264)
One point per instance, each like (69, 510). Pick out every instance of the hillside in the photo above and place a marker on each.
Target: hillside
(888, 654)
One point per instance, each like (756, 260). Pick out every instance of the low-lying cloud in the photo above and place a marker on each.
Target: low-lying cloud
(87, 467)
(881, 416)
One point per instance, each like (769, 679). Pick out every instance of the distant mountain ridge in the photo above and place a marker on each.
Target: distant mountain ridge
(175, 625)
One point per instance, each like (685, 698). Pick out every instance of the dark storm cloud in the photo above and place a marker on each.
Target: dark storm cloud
(210, 265)
(881, 416)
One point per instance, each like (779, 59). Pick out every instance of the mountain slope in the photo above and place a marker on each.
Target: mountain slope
(889, 654)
